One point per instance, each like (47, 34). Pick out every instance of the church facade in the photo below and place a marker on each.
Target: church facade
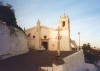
(50, 38)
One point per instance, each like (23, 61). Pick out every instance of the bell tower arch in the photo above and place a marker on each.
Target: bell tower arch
(64, 26)
(64, 22)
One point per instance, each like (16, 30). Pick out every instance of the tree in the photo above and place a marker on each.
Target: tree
(9, 5)
(7, 15)
(86, 46)
(1, 3)
(91, 55)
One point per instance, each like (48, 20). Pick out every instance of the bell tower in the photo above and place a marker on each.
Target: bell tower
(64, 22)
(64, 26)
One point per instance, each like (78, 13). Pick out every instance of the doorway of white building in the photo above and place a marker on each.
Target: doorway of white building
(45, 45)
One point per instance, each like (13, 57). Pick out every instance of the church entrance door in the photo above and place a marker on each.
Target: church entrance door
(45, 44)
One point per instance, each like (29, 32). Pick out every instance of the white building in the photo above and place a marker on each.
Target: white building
(48, 37)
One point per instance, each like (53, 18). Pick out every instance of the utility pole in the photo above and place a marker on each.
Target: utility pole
(79, 41)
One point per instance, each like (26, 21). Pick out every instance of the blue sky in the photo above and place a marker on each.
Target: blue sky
(84, 16)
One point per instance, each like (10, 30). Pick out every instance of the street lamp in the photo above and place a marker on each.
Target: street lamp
(79, 41)
(58, 51)
(59, 37)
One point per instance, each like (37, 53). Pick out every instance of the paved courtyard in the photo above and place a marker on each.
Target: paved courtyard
(32, 60)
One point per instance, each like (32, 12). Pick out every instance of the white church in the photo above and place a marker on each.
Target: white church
(51, 38)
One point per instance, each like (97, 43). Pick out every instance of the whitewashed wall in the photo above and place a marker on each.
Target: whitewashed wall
(47, 68)
(57, 67)
(74, 62)
(90, 67)
(65, 40)
(52, 38)
(32, 41)
(12, 44)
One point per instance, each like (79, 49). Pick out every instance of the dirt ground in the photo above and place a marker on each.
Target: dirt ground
(31, 61)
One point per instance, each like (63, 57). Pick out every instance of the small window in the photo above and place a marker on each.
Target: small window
(45, 37)
(63, 24)
(28, 35)
(33, 36)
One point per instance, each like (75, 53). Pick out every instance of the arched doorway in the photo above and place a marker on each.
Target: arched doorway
(44, 43)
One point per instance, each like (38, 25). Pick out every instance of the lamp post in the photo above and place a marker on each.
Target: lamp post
(39, 37)
(59, 37)
(58, 51)
(79, 41)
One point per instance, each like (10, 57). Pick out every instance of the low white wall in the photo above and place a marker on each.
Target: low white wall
(74, 62)
(90, 67)
(12, 43)
(57, 67)
(46, 69)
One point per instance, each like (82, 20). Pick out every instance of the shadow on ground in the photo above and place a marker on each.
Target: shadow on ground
(32, 60)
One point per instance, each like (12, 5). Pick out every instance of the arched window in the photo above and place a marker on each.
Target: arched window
(63, 24)
(28, 35)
